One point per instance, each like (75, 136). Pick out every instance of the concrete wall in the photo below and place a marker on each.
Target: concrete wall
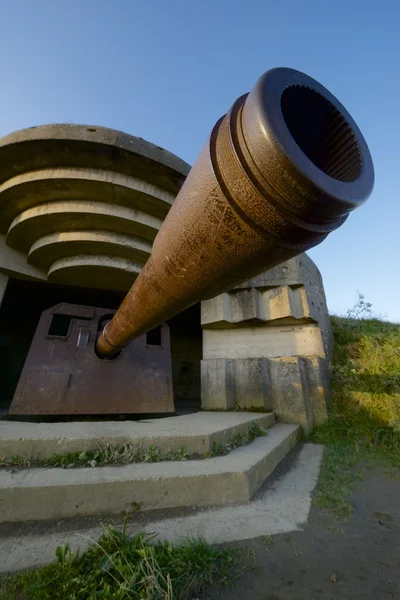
(267, 344)
(186, 357)
(291, 292)
(263, 341)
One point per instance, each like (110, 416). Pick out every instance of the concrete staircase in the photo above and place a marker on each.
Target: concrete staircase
(37, 494)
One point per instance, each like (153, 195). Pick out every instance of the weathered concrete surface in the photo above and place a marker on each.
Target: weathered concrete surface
(298, 395)
(254, 337)
(297, 273)
(78, 203)
(260, 342)
(315, 383)
(217, 384)
(295, 388)
(38, 494)
(282, 507)
(196, 432)
(13, 263)
(253, 383)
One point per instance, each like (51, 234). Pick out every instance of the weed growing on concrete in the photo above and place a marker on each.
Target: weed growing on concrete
(108, 455)
(124, 568)
(269, 540)
(180, 454)
(239, 439)
(364, 422)
(25, 462)
(255, 431)
(256, 409)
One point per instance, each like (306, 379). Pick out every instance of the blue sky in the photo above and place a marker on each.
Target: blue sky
(166, 70)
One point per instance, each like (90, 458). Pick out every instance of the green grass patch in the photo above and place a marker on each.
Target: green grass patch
(336, 480)
(364, 420)
(119, 567)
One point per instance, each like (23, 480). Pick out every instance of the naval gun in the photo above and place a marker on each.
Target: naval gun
(279, 172)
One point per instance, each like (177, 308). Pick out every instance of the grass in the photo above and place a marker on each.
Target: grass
(239, 439)
(107, 455)
(127, 453)
(119, 567)
(269, 540)
(364, 421)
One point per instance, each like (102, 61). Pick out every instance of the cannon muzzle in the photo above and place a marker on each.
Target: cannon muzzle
(280, 171)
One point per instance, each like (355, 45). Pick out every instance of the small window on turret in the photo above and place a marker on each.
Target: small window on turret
(153, 337)
(59, 326)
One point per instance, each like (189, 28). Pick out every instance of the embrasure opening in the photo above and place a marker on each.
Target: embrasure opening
(321, 132)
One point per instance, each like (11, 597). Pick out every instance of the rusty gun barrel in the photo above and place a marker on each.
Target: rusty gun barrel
(280, 171)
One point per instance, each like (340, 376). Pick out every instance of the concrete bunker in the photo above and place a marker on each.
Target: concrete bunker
(88, 213)
(227, 353)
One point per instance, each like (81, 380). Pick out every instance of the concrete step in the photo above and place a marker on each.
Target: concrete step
(281, 506)
(41, 494)
(196, 432)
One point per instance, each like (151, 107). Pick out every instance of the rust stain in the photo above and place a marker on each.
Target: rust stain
(63, 375)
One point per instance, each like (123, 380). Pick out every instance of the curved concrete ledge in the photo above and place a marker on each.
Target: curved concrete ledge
(52, 217)
(56, 246)
(65, 184)
(68, 178)
(114, 273)
(81, 145)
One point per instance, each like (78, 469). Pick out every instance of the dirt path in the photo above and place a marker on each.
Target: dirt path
(362, 562)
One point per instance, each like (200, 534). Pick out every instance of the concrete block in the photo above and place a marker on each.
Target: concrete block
(293, 290)
(255, 304)
(217, 384)
(262, 341)
(244, 305)
(280, 314)
(315, 388)
(276, 303)
(300, 390)
(253, 383)
(289, 400)
(216, 310)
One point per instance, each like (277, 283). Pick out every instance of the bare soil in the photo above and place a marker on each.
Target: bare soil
(361, 562)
